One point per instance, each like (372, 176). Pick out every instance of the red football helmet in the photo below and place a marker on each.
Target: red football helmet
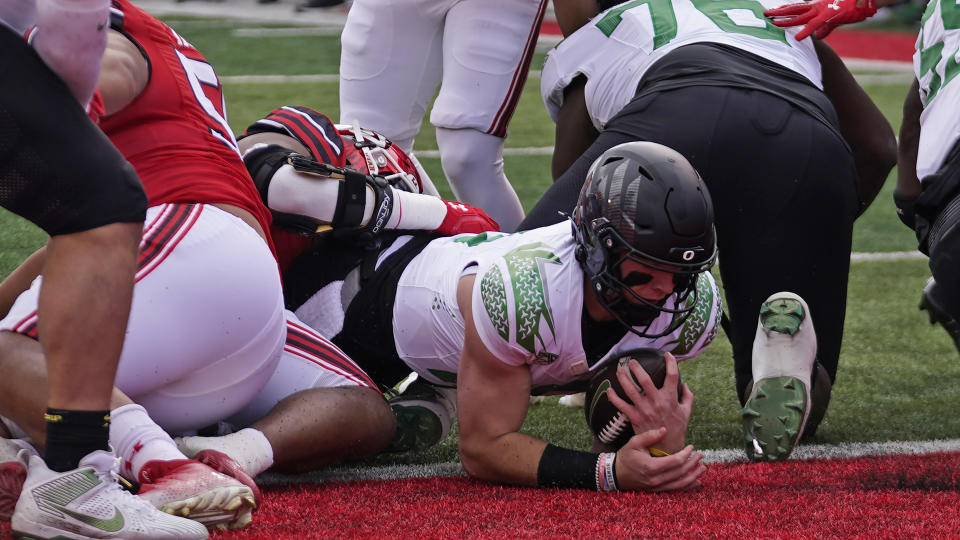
(371, 153)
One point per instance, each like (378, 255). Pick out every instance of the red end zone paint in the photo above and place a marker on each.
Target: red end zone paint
(866, 44)
(912, 496)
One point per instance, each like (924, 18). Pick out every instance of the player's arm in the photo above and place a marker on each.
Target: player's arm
(124, 75)
(492, 401)
(862, 124)
(908, 185)
(574, 131)
(572, 14)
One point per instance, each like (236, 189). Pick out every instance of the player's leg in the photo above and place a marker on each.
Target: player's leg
(390, 65)
(208, 278)
(483, 76)
(317, 408)
(802, 229)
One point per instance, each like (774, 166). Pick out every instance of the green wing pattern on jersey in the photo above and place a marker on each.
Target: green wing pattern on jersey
(699, 320)
(526, 273)
(494, 294)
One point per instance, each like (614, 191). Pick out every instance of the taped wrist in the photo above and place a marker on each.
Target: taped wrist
(563, 468)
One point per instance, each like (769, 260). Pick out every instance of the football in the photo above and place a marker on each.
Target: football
(606, 422)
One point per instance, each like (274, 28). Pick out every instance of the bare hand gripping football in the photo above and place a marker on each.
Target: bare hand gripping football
(606, 421)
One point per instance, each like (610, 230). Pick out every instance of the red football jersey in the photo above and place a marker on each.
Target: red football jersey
(175, 133)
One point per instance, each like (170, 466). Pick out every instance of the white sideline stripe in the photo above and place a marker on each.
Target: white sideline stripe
(802, 453)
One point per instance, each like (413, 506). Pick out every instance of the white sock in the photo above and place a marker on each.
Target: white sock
(248, 447)
(138, 439)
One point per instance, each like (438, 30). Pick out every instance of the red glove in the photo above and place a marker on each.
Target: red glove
(463, 218)
(821, 16)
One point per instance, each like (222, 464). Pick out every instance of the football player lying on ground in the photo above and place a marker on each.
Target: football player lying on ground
(928, 167)
(502, 316)
(206, 325)
(750, 107)
(314, 176)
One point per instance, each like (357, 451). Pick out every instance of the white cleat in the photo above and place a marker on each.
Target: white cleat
(188, 488)
(784, 352)
(88, 502)
(13, 472)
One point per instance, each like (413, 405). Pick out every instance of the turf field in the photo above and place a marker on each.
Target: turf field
(899, 378)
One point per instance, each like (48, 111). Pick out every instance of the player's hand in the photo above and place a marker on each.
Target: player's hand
(820, 17)
(463, 218)
(655, 407)
(636, 469)
(904, 205)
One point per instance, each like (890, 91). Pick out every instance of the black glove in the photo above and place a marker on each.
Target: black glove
(905, 210)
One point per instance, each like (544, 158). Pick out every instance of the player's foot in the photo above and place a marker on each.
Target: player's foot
(87, 502)
(424, 414)
(13, 471)
(573, 400)
(784, 352)
(225, 464)
(188, 488)
(929, 301)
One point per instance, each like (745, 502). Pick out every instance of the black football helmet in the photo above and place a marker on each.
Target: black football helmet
(644, 202)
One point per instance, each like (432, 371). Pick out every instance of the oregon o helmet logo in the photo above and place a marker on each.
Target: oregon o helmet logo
(688, 255)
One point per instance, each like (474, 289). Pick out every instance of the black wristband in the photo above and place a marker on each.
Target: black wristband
(563, 468)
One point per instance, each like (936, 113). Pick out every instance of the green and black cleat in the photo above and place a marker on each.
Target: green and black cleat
(784, 351)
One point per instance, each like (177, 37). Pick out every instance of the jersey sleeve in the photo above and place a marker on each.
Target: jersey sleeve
(495, 321)
(703, 324)
(511, 306)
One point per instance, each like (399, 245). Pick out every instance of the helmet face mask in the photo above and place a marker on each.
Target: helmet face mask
(644, 203)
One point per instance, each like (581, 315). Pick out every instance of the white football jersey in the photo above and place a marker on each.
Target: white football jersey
(527, 305)
(936, 63)
(616, 47)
